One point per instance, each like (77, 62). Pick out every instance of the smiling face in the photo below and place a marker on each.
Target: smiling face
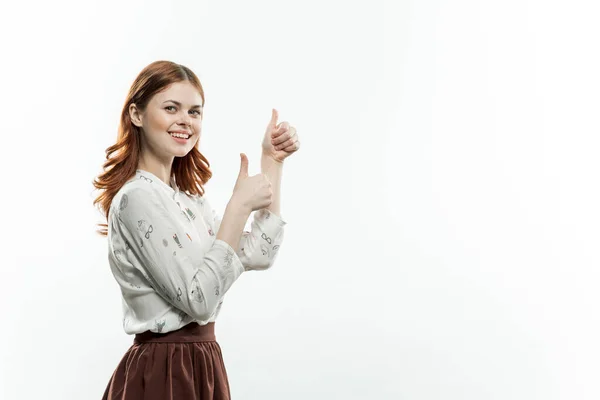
(175, 110)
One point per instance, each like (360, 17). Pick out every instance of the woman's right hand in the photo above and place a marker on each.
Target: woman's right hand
(252, 192)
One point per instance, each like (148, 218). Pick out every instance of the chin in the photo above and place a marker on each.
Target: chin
(181, 153)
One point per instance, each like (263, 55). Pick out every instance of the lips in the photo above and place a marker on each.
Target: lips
(181, 136)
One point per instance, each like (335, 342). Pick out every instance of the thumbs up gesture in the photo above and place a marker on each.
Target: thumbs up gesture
(281, 139)
(252, 192)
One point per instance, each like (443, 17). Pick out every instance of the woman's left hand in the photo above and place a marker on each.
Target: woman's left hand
(281, 140)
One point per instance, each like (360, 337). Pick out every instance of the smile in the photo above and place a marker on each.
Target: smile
(179, 135)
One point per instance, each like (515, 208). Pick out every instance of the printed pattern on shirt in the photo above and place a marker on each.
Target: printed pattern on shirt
(149, 240)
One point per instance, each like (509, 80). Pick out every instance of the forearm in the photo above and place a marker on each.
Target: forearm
(232, 224)
(273, 170)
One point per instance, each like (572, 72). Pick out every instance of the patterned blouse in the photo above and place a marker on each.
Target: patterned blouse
(163, 253)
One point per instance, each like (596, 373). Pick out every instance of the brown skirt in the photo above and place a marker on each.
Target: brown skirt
(186, 364)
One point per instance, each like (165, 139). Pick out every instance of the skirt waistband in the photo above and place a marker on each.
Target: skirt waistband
(192, 332)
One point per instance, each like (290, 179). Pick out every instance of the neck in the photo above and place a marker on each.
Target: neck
(160, 168)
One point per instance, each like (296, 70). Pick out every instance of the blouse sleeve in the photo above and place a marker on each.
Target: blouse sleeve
(258, 247)
(187, 273)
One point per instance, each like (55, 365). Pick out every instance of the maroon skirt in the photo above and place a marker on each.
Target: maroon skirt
(182, 364)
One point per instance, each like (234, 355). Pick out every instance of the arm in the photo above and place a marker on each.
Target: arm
(273, 169)
(230, 227)
(258, 248)
(170, 255)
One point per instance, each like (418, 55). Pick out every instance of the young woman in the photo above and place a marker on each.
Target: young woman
(173, 256)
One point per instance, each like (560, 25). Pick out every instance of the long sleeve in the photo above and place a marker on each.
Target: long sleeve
(259, 247)
(191, 275)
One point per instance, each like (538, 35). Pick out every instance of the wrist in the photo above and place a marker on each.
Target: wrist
(270, 159)
(238, 206)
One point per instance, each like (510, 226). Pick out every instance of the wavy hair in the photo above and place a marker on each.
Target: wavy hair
(191, 171)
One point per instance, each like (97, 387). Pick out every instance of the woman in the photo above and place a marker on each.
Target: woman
(172, 255)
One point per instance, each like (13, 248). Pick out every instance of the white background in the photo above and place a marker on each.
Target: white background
(442, 211)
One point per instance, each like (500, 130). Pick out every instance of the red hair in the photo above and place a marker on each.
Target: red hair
(191, 171)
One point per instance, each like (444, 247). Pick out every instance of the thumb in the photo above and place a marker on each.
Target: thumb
(243, 165)
(274, 117)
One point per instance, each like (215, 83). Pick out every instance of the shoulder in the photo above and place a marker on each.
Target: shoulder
(200, 200)
(135, 193)
(139, 187)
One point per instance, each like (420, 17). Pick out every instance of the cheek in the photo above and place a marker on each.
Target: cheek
(197, 127)
(160, 122)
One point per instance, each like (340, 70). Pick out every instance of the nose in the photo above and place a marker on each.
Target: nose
(185, 120)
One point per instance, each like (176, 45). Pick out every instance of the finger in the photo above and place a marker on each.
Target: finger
(283, 126)
(287, 143)
(243, 165)
(279, 136)
(286, 136)
(274, 117)
(293, 147)
(280, 139)
(277, 133)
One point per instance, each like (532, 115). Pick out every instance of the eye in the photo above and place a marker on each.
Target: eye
(167, 107)
(197, 112)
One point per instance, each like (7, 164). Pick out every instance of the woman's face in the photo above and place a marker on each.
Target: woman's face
(177, 109)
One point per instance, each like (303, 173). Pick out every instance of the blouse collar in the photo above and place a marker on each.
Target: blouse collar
(172, 187)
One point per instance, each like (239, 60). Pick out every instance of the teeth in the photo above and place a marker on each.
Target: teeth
(180, 135)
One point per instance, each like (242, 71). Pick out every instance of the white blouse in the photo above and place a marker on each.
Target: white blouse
(163, 253)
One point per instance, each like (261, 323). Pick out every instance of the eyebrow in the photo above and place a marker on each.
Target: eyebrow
(179, 104)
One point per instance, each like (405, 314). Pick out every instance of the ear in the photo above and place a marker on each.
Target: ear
(135, 115)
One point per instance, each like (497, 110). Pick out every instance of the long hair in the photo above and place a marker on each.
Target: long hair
(191, 172)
